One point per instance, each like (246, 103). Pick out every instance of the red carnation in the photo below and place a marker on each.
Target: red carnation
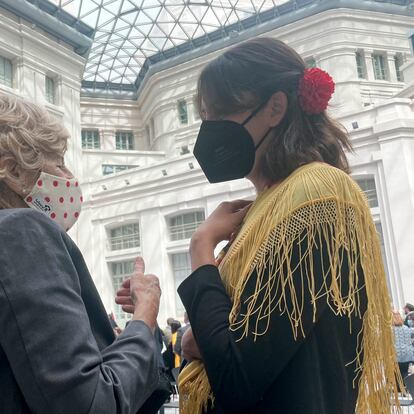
(315, 90)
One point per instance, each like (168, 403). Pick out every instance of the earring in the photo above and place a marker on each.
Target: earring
(24, 190)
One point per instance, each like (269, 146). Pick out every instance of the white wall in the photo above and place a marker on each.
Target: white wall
(384, 145)
(383, 149)
(167, 182)
(34, 55)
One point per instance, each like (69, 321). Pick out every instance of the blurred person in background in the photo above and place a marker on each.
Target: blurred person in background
(166, 332)
(403, 337)
(409, 315)
(408, 308)
(181, 331)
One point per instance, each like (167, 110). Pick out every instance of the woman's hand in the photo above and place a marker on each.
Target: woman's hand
(225, 221)
(189, 346)
(140, 295)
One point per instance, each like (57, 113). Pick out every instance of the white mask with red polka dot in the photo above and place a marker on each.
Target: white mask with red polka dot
(59, 198)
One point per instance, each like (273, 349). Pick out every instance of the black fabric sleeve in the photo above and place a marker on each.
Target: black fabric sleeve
(47, 336)
(240, 372)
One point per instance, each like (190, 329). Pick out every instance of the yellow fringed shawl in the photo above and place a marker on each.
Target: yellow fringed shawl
(325, 203)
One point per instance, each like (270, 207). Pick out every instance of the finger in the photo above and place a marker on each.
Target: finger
(243, 211)
(126, 283)
(240, 204)
(128, 308)
(139, 265)
(123, 300)
(187, 357)
(238, 216)
(123, 292)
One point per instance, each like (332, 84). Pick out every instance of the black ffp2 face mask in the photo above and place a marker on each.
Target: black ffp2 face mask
(225, 150)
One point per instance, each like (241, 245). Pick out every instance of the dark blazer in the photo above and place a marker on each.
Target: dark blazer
(58, 353)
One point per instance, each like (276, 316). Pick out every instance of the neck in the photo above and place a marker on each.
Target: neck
(9, 199)
(260, 182)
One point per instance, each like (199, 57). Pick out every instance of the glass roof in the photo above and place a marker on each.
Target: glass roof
(128, 32)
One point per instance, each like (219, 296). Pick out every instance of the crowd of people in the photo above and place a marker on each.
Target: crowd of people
(169, 341)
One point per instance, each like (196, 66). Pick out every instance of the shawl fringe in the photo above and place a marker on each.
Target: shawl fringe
(323, 203)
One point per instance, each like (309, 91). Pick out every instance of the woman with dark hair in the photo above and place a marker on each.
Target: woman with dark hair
(290, 318)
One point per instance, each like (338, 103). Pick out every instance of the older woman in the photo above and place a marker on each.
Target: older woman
(58, 353)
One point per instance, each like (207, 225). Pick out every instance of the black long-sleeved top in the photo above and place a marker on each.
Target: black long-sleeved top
(58, 353)
(276, 373)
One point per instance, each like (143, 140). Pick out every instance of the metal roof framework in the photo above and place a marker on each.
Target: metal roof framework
(131, 39)
(130, 32)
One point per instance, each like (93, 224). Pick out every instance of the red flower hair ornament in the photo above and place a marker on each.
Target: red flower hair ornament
(315, 90)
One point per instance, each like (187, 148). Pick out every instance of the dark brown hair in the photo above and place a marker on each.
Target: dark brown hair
(245, 77)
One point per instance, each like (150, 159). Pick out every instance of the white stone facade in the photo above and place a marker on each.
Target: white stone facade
(35, 55)
(374, 104)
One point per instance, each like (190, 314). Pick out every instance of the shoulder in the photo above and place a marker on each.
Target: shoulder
(319, 182)
(25, 219)
(28, 227)
(32, 244)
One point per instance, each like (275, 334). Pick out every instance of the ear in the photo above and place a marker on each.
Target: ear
(277, 107)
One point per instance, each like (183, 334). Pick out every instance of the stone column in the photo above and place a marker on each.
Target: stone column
(108, 139)
(341, 65)
(395, 131)
(369, 65)
(392, 73)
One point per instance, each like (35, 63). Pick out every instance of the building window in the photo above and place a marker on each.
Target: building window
(148, 136)
(124, 237)
(196, 109)
(6, 72)
(121, 271)
(399, 61)
(124, 140)
(184, 150)
(183, 226)
(183, 112)
(90, 139)
(378, 61)
(310, 62)
(152, 123)
(360, 64)
(50, 90)
(181, 266)
(367, 185)
(113, 168)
